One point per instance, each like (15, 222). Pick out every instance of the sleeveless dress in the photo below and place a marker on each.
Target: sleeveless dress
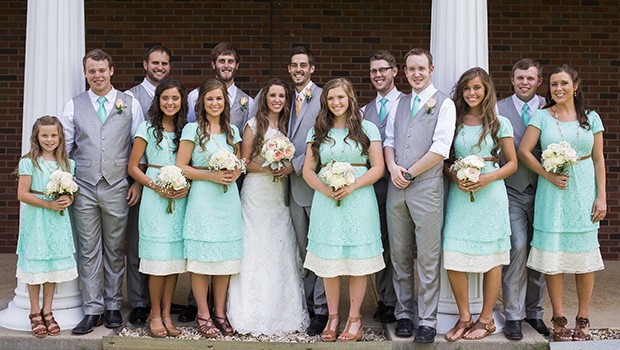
(212, 230)
(161, 234)
(267, 296)
(565, 238)
(45, 246)
(345, 240)
(476, 236)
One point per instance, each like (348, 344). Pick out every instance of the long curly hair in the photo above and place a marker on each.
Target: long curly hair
(578, 97)
(157, 115)
(262, 113)
(325, 119)
(35, 148)
(201, 114)
(490, 123)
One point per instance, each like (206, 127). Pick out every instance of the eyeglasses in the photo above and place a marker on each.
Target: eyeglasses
(381, 70)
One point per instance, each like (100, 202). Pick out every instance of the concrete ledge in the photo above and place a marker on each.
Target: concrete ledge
(586, 345)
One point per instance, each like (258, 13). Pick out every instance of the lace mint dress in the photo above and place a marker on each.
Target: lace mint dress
(161, 234)
(476, 236)
(565, 238)
(45, 246)
(212, 230)
(345, 240)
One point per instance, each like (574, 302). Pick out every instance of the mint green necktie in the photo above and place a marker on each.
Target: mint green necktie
(383, 110)
(416, 106)
(525, 116)
(101, 111)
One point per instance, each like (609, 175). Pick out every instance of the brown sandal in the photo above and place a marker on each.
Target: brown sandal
(222, 324)
(206, 327)
(38, 326)
(172, 330)
(462, 326)
(328, 335)
(348, 336)
(564, 334)
(52, 326)
(159, 332)
(487, 327)
(580, 324)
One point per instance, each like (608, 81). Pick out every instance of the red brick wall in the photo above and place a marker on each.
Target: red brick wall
(342, 34)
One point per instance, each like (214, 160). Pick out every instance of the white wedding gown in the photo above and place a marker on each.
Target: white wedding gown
(266, 297)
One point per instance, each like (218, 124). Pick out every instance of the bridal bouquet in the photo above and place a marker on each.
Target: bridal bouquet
(278, 152)
(558, 156)
(61, 184)
(225, 160)
(337, 175)
(468, 168)
(172, 177)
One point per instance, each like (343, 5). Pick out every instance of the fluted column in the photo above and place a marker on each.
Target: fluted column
(55, 46)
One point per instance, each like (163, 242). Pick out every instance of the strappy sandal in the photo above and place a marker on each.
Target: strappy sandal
(487, 327)
(564, 334)
(38, 326)
(172, 330)
(580, 324)
(159, 332)
(348, 336)
(462, 326)
(328, 335)
(206, 327)
(52, 326)
(222, 324)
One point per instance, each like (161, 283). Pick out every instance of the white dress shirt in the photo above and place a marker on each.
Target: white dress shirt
(68, 113)
(192, 98)
(303, 92)
(444, 129)
(150, 88)
(533, 103)
(390, 105)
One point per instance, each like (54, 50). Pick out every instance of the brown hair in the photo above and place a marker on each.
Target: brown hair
(35, 148)
(578, 97)
(98, 55)
(224, 49)
(201, 114)
(419, 51)
(262, 113)
(157, 115)
(157, 48)
(525, 64)
(300, 50)
(384, 55)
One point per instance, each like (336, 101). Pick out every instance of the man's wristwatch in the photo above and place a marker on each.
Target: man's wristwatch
(408, 177)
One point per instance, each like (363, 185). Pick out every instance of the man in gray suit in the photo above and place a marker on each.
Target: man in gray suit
(225, 62)
(304, 110)
(523, 289)
(383, 70)
(99, 125)
(418, 139)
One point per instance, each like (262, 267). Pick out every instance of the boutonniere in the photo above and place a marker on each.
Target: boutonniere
(120, 105)
(308, 94)
(430, 105)
(244, 103)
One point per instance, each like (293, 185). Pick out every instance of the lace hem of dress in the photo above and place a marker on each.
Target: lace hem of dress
(553, 263)
(343, 267)
(47, 277)
(474, 263)
(162, 267)
(227, 267)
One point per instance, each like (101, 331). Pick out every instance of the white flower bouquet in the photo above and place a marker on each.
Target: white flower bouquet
(337, 175)
(278, 152)
(61, 183)
(174, 178)
(558, 156)
(225, 160)
(468, 168)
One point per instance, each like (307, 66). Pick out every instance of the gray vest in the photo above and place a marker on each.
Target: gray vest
(140, 93)
(414, 138)
(101, 150)
(524, 176)
(239, 117)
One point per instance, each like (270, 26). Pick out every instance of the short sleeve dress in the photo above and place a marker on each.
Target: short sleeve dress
(45, 246)
(161, 234)
(476, 236)
(345, 240)
(212, 230)
(565, 238)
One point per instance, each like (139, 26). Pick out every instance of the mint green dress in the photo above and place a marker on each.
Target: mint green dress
(345, 240)
(45, 246)
(161, 235)
(565, 238)
(212, 229)
(476, 235)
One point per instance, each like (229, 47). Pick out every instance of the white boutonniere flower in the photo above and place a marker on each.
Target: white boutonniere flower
(430, 105)
(308, 94)
(120, 105)
(244, 103)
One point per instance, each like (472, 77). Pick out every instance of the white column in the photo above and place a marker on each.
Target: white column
(459, 41)
(55, 45)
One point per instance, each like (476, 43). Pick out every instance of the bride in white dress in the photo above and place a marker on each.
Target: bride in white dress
(266, 297)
